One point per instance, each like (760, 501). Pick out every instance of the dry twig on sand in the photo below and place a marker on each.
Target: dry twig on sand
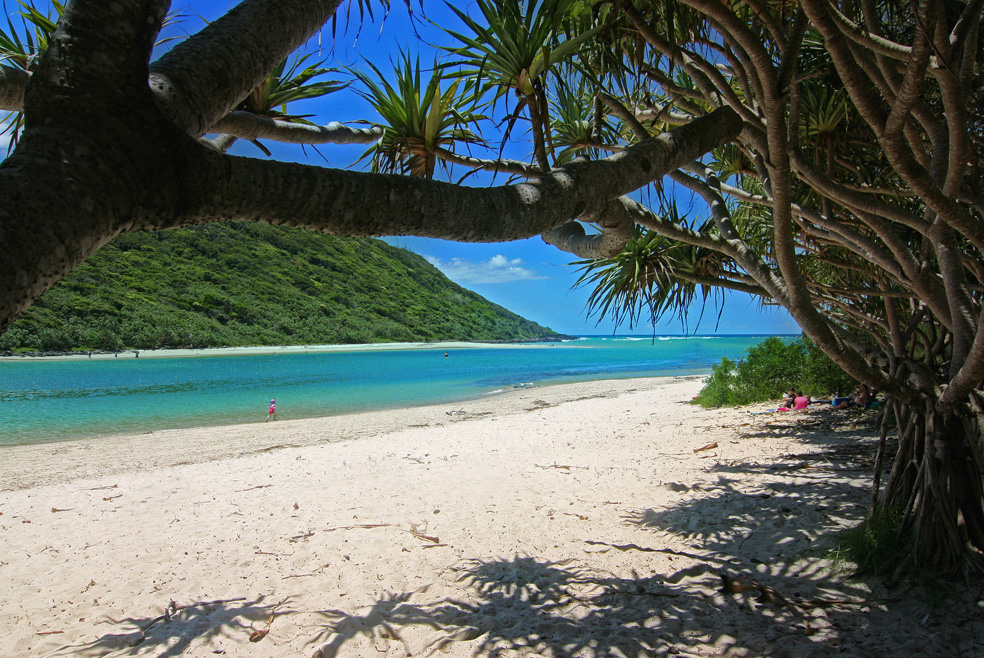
(355, 527)
(256, 636)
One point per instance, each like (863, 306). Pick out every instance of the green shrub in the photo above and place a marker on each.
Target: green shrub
(771, 368)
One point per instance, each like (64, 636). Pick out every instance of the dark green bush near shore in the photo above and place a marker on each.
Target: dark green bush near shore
(228, 285)
(771, 368)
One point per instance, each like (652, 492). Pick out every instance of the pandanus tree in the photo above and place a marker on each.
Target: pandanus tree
(835, 149)
(853, 198)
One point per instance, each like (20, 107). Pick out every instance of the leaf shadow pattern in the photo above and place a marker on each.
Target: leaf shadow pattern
(522, 605)
(171, 633)
(741, 577)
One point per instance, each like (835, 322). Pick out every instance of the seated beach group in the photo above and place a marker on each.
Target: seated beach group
(862, 398)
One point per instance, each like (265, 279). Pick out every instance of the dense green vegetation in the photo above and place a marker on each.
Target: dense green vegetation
(222, 285)
(771, 368)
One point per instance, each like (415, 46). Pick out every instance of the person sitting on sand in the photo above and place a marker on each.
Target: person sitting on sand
(800, 402)
(273, 411)
(860, 398)
(788, 400)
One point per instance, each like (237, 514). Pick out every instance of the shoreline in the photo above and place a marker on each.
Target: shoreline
(358, 347)
(227, 427)
(170, 447)
(273, 350)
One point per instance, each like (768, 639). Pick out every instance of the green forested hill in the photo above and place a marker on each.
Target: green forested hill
(236, 284)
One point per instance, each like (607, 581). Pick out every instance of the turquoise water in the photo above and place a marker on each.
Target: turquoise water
(56, 400)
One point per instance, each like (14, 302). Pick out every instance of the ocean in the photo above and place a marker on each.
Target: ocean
(46, 400)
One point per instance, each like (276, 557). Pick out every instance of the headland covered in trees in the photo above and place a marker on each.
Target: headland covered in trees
(241, 284)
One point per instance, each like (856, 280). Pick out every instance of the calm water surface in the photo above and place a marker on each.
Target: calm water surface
(56, 400)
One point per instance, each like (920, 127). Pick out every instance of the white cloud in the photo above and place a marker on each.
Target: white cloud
(497, 269)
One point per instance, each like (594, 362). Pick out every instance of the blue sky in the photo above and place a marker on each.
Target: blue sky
(528, 277)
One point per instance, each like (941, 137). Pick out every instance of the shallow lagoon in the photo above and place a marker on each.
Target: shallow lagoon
(49, 400)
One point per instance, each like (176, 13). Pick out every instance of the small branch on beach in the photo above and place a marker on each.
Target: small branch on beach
(355, 527)
(562, 467)
(49, 632)
(58, 509)
(295, 538)
(739, 584)
(112, 497)
(709, 446)
(259, 486)
(256, 636)
(419, 535)
(668, 551)
(415, 459)
(790, 467)
(111, 486)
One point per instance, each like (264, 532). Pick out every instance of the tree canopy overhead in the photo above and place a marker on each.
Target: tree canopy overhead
(835, 145)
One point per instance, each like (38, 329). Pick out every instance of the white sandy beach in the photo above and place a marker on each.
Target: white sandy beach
(266, 349)
(591, 519)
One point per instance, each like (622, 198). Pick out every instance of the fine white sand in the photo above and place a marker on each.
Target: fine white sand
(267, 349)
(590, 519)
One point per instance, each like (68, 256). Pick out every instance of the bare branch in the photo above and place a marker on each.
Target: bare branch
(356, 203)
(513, 167)
(246, 125)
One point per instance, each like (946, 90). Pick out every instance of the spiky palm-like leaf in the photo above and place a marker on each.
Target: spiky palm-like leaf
(573, 127)
(516, 48)
(644, 281)
(287, 83)
(519, 44)
(417, 119)
(822, 114)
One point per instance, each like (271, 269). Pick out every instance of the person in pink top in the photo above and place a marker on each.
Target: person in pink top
(800, 402)
(273, 410)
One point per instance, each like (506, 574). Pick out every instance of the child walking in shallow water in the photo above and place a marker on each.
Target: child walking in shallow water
(273, 410)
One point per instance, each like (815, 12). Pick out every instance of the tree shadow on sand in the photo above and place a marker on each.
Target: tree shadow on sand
(517, 605)
(742, 577)
(171, 633)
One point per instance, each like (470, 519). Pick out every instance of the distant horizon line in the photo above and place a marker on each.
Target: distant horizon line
(650, 335)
